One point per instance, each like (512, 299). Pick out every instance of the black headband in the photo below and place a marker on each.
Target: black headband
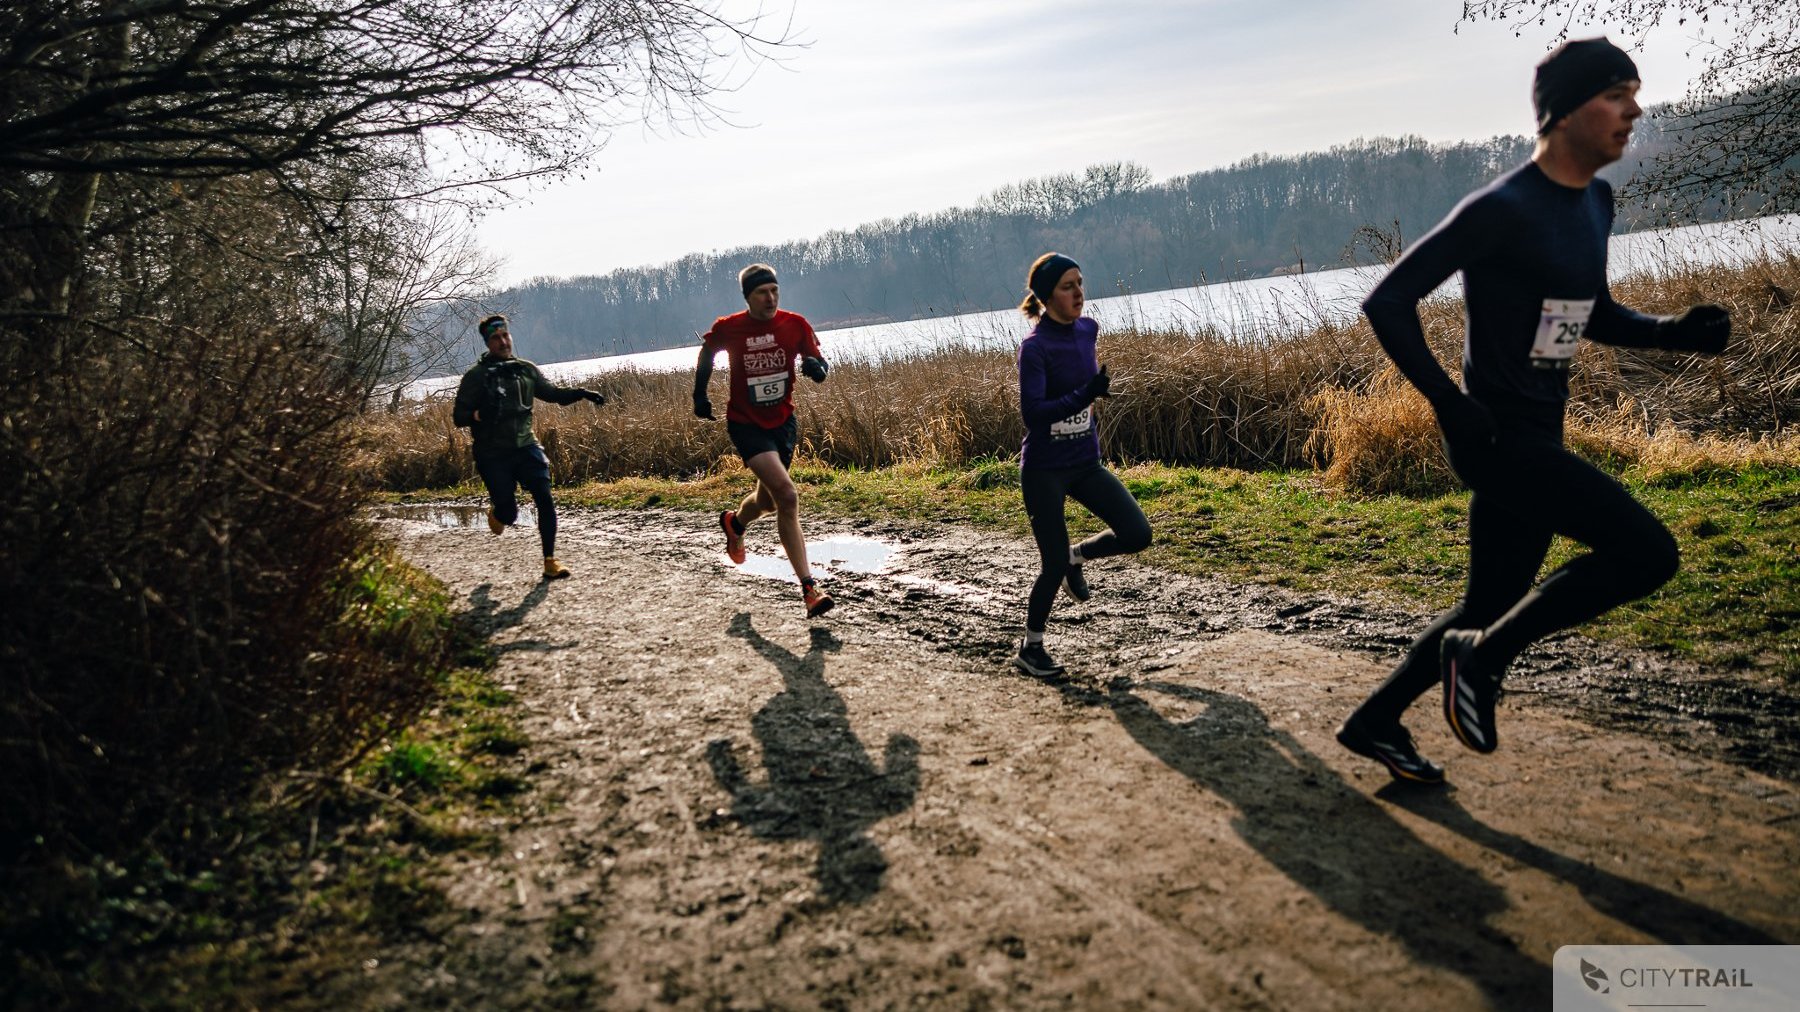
(1045, 275)
(1574, 73)
(756, 279)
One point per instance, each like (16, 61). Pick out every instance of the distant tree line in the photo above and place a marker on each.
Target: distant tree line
(1131, 234)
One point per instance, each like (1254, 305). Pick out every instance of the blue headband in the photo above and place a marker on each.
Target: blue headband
(1045, 276)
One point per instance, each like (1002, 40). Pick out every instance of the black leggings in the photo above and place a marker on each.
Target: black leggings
(504, 471)
(1105, 496)
(1527, 488)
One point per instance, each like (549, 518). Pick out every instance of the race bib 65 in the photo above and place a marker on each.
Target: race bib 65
(768, 389)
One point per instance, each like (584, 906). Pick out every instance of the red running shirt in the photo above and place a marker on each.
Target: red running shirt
(762, 354)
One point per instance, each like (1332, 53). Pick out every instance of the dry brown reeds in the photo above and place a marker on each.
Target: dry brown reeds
(1671, 454)
(1322, 395)
(1381, 439)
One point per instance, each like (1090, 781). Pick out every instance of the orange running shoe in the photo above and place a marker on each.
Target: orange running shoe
(734, 538)
(817, 601)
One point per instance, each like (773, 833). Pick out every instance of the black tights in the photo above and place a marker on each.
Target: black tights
(1526, 489)
(1105, 496)
(503, 472)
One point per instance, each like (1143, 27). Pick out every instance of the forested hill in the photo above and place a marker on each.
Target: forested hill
(1129, 232)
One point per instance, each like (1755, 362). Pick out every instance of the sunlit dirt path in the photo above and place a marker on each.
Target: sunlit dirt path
(737, 808)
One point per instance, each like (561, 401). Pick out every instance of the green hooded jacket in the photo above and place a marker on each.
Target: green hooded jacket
(502, 389)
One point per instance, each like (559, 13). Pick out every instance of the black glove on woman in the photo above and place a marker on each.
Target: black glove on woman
(1100, 386)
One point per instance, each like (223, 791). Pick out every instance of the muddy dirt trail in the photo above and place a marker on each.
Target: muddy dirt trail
(738, 808)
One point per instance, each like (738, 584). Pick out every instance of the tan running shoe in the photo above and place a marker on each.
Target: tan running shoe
(554, 570)
(817, 601)
(495, 525)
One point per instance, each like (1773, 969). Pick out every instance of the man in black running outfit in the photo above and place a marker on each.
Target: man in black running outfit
(1531, 247)
(494, 402)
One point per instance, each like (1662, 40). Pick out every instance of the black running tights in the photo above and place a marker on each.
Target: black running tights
(1526, 489)
(1105, 496)
(504, 471)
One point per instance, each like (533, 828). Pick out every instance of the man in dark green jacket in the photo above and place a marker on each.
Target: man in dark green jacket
(494, 401)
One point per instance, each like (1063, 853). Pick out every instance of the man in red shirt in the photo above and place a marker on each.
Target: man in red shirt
(762, 343)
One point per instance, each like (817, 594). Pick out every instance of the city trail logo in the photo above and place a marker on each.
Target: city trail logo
(1594, 977)
(1728, 977)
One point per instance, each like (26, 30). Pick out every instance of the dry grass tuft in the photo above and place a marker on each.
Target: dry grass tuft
(1669, 455)
(1379, 440)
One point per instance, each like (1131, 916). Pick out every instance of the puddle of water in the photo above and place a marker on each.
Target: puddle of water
(446, 515)
(852, 555)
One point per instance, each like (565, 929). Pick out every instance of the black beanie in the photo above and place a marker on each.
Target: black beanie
(1044, 276)
(1574, 73)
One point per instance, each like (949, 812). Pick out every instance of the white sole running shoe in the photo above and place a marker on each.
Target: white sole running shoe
(1076, 584)
(1391, 747)
(1469, 692)
(1033, 659)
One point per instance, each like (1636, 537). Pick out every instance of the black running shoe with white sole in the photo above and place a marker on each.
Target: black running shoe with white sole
(1033, 659)
(1392, 747)
(1076, 584)
(1469, 691)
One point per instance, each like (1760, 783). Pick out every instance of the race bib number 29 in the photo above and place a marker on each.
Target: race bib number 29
(1560, 326)
(768, 389)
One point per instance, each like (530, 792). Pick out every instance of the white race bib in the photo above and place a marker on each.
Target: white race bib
(1074, 425)
(768, 389)
(1560, 326)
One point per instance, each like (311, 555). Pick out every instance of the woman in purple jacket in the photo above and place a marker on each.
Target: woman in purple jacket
(1059, 380)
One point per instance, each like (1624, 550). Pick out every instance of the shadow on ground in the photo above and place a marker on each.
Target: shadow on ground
(822, 785)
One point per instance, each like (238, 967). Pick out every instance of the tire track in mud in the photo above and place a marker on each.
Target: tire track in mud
(734, 807)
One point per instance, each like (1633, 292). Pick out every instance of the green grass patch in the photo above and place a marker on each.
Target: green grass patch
(1734, 603)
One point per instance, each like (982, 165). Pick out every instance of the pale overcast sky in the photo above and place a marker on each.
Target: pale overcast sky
(919, 106)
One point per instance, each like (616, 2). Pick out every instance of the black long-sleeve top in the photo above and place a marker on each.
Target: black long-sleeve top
(1532, 253)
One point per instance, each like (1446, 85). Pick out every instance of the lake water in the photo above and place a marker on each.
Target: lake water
(1250, 309)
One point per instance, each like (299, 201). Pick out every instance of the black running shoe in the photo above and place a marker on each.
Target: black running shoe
(1033, 659)
(1469, 691)
(1392, 747)
(1076, 583)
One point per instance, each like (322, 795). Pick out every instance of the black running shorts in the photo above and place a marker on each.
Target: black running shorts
(751, 440)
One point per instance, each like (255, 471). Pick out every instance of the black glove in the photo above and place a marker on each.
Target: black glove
(595, 396)
(1099, 386)
(813, 368)
(1465, 420)
(1703, 328)
(703, 407)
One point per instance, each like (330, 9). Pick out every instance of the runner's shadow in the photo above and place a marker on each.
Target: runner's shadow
(1332, 840)
(486, 617)
(1664, 916)
(822, 785)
